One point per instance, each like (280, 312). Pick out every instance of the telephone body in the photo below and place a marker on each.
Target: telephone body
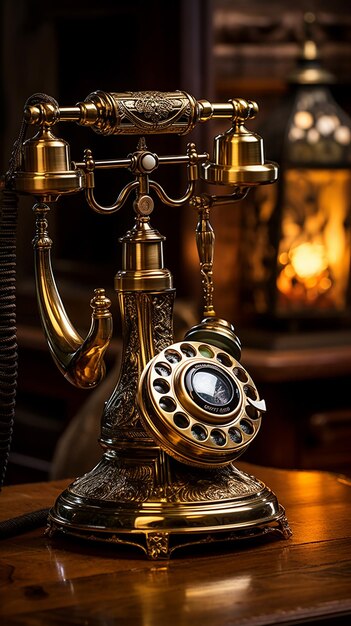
(181, 412)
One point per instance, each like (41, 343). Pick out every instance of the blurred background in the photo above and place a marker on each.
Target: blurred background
(282, 257)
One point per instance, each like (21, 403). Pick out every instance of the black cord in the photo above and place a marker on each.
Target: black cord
(8, 339)
(8, 334)
(23, 523)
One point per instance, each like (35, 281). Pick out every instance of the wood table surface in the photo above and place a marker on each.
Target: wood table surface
(61, 580)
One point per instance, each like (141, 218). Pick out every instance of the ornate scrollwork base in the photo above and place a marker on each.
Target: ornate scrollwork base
(158, 505)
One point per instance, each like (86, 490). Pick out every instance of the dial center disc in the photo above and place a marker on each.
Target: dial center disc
(212, 390)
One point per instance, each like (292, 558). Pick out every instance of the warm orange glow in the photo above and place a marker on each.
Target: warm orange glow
(308, 260)
(303, 119)
(314, 250)
(343, 135)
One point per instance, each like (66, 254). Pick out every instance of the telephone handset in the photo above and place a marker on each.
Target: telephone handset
(181, 412)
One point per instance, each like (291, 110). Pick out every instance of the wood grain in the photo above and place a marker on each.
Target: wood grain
(252, 582)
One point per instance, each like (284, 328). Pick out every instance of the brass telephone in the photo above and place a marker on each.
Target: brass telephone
(182, 412)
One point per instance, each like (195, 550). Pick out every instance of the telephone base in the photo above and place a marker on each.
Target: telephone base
(160, 545)
(191, 507)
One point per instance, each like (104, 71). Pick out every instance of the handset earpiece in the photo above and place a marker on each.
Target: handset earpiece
(196, 399)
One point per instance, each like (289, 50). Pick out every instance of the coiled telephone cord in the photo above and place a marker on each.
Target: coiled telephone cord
(8, 337)
(8, 330)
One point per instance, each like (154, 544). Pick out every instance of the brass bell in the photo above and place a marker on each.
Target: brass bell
(238, 157)
(47, 167)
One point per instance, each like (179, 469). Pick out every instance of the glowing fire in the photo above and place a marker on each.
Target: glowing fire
(313, 258)
(308, 260)
(305, 273)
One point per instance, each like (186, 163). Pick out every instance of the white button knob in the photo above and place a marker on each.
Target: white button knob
(148, 162)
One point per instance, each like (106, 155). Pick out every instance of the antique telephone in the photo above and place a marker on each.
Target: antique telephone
(182, 412)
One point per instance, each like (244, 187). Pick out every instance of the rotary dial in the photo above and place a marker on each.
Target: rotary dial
(199, 404)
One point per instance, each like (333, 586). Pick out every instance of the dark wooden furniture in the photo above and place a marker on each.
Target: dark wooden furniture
(257, 582)
(308, 420)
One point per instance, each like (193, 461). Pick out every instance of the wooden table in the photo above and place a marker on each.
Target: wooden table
(255, 582)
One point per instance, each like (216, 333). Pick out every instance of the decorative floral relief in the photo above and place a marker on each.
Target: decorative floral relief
(137, 432)
(112, 481)
(155, 107)
(152, 106)
(121, 409)
(221, 484)
(157, 545)
(162, 321)
(118, 482)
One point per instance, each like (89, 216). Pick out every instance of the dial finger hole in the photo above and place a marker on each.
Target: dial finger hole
(206, 351)
(161, 385)
(188, 350)
(181, 420)
(199, 432)
(246, 427)
(218, 437)
(163, 369)
(173, 356)
(240, 374)
(250, 392)
(235, 435)
(224, 358)
(167, 404)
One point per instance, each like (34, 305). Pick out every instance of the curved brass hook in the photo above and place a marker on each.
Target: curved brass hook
(81, 361)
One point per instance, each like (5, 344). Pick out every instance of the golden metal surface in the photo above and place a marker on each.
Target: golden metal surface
(160, 505)
(142, 260)
(204, 434)
(217, 332)
(48, 168)
(141, 112)
(46, 153)
(238, 159)
(205, 240)
(166, 476)
(81, 361)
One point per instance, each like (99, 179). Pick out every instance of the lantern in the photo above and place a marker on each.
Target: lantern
(297, 235)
